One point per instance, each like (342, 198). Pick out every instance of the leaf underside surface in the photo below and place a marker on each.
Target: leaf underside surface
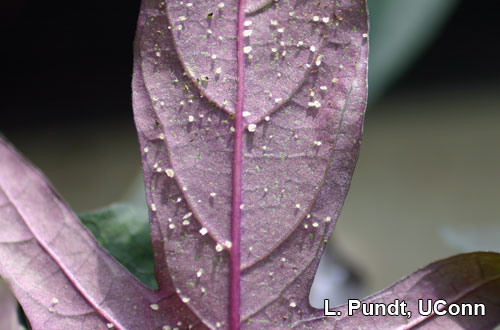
(300, 71)
(304, 92)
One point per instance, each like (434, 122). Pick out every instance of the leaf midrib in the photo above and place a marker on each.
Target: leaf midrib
(235, 252)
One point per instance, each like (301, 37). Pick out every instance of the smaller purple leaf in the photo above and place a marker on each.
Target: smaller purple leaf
(58, 272)
(472, 278)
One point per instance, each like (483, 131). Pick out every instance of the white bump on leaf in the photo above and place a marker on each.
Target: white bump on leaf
(219, 247)
(318, 61)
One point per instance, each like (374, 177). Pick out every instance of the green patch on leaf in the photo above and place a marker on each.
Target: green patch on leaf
(124, 233)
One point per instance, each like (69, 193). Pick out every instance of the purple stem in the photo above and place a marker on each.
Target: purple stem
(237, 179)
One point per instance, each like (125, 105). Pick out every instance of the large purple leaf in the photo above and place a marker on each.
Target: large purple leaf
(56, 270)
(301, 68)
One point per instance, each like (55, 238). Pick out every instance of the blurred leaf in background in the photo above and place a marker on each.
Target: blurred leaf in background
(400, 30)
(9, 319)
(123, 230)
(472, 238)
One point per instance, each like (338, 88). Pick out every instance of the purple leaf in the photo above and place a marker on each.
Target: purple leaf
(472, 278)
(56, 270)
(302, 73)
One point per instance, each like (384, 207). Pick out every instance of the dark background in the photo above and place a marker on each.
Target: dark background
(71, 61)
